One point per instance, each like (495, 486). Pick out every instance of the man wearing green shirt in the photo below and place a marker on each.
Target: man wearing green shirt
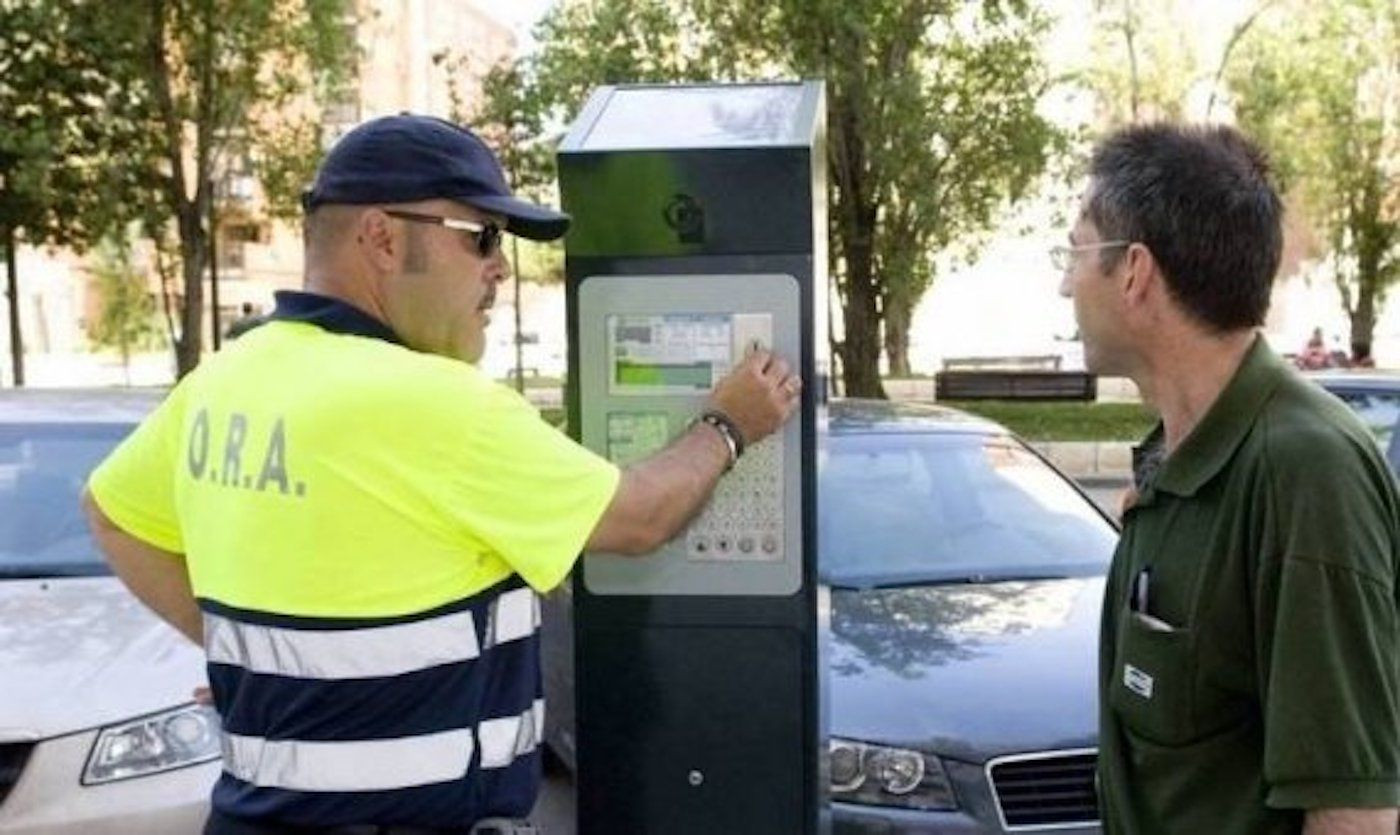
(1248, 664)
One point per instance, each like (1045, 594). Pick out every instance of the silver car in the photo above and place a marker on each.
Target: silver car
(98, 732)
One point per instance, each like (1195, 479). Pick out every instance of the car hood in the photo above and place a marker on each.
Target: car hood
(78, 653)
(967, 671)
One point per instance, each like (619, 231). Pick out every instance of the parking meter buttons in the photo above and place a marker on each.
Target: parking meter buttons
(743, 521)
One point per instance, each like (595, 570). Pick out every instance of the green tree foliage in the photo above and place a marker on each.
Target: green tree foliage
(1319, 86)
(68, 112)
(931, 120)
(195, 83)
(127, 320)
(223, 77)
(1144, 61)
(1147, 62)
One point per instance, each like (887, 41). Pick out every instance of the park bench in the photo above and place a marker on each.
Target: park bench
(1028, 377)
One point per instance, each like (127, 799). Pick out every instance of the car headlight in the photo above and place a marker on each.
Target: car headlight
(876, 775)
(176, 738)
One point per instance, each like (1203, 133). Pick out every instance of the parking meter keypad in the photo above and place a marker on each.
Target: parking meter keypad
(744, 519)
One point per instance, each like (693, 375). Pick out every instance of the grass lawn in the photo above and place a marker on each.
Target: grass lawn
(1035, 421)
(1064, 421)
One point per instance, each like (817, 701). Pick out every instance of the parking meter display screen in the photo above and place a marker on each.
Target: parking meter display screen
(668, 354)
(697, 117)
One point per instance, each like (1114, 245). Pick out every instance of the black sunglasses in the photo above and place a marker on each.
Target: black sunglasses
(487, 235)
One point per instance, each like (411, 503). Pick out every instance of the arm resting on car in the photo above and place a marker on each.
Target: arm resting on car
(157, 577)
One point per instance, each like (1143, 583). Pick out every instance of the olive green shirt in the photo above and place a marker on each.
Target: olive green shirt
(1249, 667)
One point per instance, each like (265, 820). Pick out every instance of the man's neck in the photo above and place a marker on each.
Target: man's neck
(339, 284)
(1185, 377)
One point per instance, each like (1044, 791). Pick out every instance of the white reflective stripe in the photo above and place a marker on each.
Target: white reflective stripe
(514, 615)
(502, 740)
(362, 765)
(372, 652)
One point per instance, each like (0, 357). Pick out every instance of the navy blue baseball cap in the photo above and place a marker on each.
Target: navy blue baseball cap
(407, 158)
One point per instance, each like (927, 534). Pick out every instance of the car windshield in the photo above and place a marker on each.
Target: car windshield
(920, 508)
(43, 468)
(1377, 409)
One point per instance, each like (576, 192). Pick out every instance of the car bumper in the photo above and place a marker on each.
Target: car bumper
(870, 820)
(50, 799)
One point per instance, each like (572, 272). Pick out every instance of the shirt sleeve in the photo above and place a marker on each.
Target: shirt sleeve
(526, 489)
(135, 485)
(1328, 636)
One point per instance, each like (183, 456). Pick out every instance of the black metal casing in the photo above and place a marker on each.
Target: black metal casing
(701, 714)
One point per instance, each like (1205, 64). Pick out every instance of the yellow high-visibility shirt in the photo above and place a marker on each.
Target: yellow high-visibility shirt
(320, 473)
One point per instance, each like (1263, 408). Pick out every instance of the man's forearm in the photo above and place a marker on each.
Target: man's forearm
(659, 495)
(156, 577)
(1350, 822)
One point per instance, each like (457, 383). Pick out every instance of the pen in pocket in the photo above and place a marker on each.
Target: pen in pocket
(1140, 597)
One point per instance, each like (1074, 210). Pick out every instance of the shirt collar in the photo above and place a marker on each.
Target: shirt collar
(330, 314)
(1214, 440)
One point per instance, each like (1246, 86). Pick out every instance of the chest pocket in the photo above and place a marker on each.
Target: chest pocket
(1153, 679)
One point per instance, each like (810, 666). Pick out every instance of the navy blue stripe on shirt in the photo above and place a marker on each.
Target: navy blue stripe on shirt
(504, 682)
(477, 602)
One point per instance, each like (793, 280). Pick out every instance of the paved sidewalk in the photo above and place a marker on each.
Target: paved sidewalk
(1090, 462)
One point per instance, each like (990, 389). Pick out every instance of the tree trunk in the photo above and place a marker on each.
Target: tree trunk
(190, 345)
(860, 354)
(1363, 326)
(856, 214)
(1363, 318)
(12, 293)
(897, 320)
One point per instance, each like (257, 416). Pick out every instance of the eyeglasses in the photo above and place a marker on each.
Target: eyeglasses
(487, 235)
(1062, 257)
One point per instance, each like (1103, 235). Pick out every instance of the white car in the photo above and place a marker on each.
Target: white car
(98, 730)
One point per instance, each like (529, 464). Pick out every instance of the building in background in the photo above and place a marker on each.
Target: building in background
(425, 56)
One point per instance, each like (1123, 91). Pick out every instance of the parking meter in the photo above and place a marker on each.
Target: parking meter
(699, 229)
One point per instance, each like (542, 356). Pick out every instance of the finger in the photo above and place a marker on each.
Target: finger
(777, 370)
(793, 385)
(758, 358)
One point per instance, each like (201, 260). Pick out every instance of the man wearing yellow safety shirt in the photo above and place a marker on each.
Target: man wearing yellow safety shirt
(354, 521)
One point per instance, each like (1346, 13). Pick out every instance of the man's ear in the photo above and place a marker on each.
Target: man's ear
(378, 239)
(1143, 276)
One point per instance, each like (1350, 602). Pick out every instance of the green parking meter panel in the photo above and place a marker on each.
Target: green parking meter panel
(651, 349)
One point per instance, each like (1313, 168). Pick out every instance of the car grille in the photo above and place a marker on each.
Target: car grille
(1047, 790)
(13, 756)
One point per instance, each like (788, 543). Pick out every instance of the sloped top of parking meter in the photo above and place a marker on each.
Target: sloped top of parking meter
(654, 117)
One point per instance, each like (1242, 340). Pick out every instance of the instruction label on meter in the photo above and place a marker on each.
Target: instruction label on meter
(633, 436)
